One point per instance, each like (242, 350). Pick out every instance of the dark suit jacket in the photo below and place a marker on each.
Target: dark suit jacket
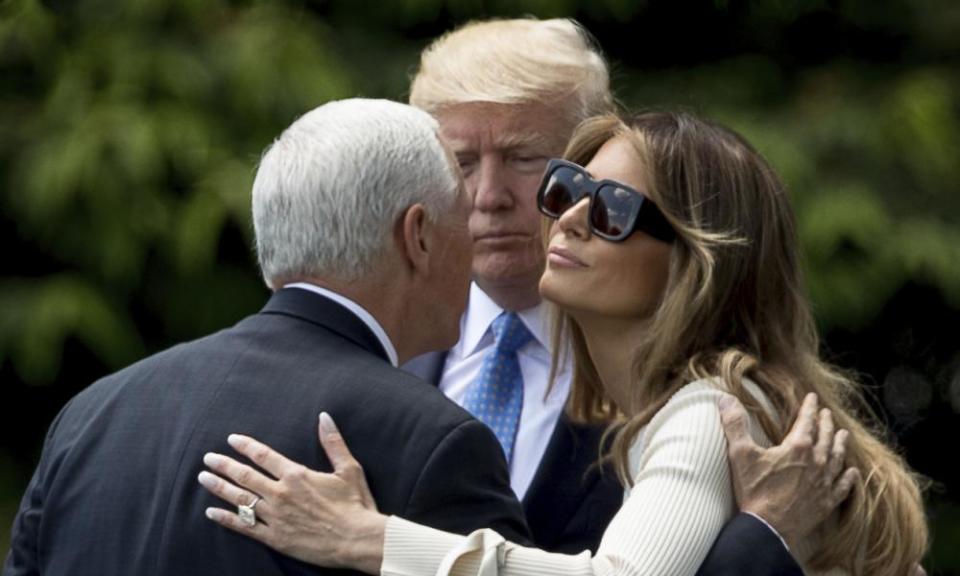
(570, 503)
(116, 488)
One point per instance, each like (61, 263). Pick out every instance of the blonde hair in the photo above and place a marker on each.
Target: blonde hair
(518, 61)
(734, 308)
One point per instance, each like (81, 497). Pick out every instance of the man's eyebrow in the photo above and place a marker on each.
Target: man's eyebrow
(520, 140)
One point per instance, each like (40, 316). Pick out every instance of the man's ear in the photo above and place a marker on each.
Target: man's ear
(413, 236)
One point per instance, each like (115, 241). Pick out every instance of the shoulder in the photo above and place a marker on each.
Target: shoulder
(409, 390)
(395, 400)
(709, 391)
(687, 429)
(692, 416)
(693, 403)
(698, 391)
(439, 424)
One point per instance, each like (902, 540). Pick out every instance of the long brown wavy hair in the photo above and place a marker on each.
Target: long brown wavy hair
(734, 308)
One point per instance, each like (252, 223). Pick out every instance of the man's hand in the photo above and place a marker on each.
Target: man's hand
(796, 485)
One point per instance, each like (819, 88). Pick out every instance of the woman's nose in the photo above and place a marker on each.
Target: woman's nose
(574, 219)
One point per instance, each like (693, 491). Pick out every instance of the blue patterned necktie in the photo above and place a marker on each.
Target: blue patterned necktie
(496, 397)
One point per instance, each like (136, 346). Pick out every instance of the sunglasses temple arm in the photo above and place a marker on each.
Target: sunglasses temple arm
(656, 224)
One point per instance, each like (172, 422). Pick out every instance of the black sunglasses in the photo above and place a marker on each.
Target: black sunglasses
(616, 210)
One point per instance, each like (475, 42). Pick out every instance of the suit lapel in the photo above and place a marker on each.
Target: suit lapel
(428, 367)
(565, 477)
(326, 313)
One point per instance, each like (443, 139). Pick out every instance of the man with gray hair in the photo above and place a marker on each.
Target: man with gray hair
(361, 227)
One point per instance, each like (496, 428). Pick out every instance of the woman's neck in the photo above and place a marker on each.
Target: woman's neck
(612, 343)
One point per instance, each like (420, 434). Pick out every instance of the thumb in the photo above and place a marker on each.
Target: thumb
(734, 418)
(333, 443)
(344, 464)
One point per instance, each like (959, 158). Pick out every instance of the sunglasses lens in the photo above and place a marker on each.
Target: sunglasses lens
(561, 191)
(615, 209)
(612, 210)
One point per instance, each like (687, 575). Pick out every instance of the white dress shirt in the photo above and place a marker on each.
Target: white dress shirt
(540, 410)
(358, 310)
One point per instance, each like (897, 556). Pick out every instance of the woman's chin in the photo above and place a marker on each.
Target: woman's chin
(558, 293)
(546, 288)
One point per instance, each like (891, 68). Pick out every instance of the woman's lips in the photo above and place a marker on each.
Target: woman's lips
(562, 257)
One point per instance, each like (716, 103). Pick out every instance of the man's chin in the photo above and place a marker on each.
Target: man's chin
(447, 340)
(506, 267)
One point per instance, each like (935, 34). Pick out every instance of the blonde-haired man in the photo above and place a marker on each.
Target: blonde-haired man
(508, 94)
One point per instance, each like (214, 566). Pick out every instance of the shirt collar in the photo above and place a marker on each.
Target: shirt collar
(482, 311)
(366, 317)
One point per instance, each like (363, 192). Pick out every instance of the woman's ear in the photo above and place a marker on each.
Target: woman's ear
(413, 236)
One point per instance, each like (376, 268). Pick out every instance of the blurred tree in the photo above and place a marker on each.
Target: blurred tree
(130, 131)
(130, 143)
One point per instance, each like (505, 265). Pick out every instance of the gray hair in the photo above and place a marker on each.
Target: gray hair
(329, 190)
(518, 61)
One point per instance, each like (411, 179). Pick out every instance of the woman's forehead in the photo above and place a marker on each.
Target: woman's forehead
(617, 159)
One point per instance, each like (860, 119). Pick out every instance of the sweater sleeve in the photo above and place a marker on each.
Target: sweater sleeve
(680, 500)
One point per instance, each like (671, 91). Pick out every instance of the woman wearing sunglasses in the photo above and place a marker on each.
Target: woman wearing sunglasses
(673, 264)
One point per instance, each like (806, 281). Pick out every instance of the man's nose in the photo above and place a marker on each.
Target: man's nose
(492, 186)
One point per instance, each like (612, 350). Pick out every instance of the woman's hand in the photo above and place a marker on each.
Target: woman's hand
(327, 520)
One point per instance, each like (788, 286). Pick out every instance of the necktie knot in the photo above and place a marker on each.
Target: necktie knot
(510, 332)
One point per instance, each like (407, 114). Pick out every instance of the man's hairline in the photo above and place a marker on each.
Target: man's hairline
(513, 138)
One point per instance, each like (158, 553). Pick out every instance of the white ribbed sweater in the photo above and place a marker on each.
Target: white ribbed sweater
(681, 499)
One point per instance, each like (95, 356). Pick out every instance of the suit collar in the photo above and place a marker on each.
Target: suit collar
(322, 311)
(359, 311)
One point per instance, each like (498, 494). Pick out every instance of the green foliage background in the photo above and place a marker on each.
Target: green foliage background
(130, 131)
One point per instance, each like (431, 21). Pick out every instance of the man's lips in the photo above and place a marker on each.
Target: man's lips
(560, 256)
(501, 237)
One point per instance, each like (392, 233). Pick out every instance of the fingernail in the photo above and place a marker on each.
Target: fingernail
(211, 513)
(234, 440)
(212, 460)
(327, 425)
(206, 479)
(726, 403)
